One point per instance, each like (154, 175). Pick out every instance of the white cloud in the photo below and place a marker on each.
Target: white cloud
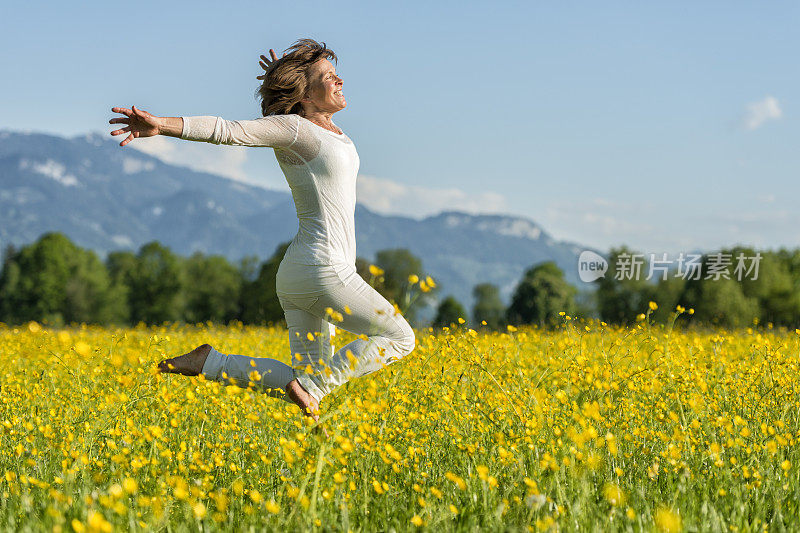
(760, 112)
(392, 198)
(225, 161)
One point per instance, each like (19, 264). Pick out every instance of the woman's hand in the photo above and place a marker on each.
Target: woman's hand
(140, 124)
(266, 64)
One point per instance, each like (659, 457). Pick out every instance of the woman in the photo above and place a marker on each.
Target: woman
(317, 278)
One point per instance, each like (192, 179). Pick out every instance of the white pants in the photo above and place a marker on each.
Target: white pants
(305, 292)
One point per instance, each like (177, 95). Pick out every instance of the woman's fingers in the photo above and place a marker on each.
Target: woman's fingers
(119, 120)
(128, 139)
(123, 110)
(267, 63)
(123, 130)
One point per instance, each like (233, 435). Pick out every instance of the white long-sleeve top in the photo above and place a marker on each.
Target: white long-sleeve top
(321, 168)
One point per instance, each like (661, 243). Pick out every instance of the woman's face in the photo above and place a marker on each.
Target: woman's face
(326, 88)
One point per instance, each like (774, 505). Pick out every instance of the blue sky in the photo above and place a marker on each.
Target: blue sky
(666, 126)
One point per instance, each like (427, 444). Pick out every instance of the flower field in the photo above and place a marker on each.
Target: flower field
(587, 427)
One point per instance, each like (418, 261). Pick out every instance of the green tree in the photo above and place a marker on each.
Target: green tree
(212, 289)
(540, 296)
(488, 306)
(9, 286)
(721, 303)
(772, 285)
(54, 281)
(716, 299)
(448, 313)
(120, 266)
(624, 291)
(156, 285)
(397, 265)
(259, 298)
(248, 267)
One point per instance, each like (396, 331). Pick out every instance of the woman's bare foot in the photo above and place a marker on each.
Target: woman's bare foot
(188, 364)
(305, 401)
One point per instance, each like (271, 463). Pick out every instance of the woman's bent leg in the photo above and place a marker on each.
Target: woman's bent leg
(309, 339)
(389, 337)
(271, 375)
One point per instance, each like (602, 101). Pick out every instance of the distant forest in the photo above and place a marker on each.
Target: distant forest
(55, 282)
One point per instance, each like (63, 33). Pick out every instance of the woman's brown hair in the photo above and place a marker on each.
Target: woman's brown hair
(286, 82)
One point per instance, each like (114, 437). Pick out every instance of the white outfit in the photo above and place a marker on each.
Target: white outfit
(318, 270)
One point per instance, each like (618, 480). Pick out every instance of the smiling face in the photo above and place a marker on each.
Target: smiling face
(325, 94)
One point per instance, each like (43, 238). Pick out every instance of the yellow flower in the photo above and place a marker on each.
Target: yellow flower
(77, 526)
(98, 523)
(272, 507)
(375, 270)
(456, 479)
(613, 494)
(116, 490)
(667, 520)
(413, 278)
(653, 306)
(255, 495)
(335, 315)
(423, 286)
(83, 349)
(429, 281)
(416, 520)
(199, 510)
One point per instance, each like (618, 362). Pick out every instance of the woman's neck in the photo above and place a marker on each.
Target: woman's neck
(320, 118)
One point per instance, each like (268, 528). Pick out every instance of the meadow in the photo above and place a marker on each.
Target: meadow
(586, 427)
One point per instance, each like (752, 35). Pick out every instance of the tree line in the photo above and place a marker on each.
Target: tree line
(56, 282)
(713, 289)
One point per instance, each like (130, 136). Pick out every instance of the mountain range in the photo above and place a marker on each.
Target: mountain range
(106, 198)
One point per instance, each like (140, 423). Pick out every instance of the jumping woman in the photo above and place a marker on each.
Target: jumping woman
(299, 94)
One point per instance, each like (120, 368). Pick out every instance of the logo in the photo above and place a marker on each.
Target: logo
(591, 266)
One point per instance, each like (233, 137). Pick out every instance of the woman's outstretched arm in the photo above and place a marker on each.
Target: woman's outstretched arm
(274, 130)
